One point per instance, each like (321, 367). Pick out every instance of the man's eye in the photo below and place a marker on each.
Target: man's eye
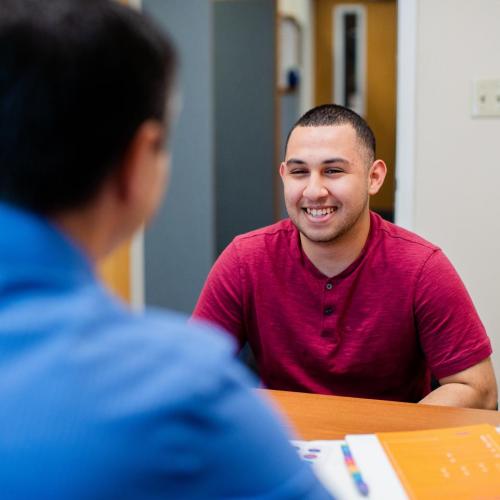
(331, 171)
(298, 171)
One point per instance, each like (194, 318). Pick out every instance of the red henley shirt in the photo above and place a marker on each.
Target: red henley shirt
(377, 330)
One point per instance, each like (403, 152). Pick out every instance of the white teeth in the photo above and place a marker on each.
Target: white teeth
(319, 212)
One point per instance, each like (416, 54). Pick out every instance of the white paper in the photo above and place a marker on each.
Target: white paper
(375, 467)
(330, 468)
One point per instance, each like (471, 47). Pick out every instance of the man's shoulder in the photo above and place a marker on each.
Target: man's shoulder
(182, 341)
(162, 354)
(280, 232)
(401, 238)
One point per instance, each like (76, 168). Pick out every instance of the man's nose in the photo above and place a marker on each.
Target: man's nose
(315, 188)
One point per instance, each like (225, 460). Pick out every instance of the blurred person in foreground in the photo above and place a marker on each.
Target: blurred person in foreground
(96, 401)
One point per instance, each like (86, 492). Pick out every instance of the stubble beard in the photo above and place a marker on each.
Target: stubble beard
(336, 233)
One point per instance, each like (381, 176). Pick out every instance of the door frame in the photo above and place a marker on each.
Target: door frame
(404, 206)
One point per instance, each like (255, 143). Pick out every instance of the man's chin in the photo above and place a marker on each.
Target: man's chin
(325, 235)
(321, 237)
(321, 240)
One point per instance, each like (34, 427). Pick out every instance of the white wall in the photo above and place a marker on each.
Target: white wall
(302, 11)
(454, 159)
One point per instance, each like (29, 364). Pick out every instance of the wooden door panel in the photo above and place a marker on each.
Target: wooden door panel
(115, 269)
(381, 36)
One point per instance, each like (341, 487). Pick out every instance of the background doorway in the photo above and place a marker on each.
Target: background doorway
(367, 56)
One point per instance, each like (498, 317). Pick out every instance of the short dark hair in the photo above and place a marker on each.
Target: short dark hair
(334, 114)
(77, 78)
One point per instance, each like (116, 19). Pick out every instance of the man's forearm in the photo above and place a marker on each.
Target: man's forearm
(461, 395)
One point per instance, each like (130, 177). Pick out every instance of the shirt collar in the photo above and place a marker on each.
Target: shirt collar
(375, 221)
(31, 245)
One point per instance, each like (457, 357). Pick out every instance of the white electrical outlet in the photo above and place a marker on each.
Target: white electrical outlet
(486, 98)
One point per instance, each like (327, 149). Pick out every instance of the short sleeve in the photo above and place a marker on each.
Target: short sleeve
(221, 301)
(452, 336)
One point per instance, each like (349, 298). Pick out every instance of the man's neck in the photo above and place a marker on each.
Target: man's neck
(93, 228)
(331, 258)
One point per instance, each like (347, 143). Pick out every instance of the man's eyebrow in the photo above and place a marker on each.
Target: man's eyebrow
(295, 161)
(328, 161)
(334, 160)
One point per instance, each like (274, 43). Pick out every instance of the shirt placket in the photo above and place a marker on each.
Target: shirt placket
(329, 312)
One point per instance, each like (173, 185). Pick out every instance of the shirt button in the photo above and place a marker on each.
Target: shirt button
(329, 286)
(328, 311)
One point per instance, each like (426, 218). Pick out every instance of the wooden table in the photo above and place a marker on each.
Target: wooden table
(314, 416)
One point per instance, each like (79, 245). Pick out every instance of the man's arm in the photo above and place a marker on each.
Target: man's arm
(453, 338)
(474, 387)
(221, 300)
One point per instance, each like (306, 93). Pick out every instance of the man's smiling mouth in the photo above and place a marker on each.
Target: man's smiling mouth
(319, 212)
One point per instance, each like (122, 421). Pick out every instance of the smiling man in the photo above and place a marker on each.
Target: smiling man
(335, 299)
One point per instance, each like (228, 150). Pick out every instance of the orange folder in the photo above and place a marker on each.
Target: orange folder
(461, 462)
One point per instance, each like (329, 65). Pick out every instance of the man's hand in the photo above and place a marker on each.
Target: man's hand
(472, 388)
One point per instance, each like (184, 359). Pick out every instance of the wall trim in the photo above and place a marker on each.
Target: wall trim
(137, 4)
(406, 114)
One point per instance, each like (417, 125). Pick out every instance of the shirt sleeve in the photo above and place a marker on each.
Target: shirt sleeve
(232, 445)
(221, 300)
(452, 336)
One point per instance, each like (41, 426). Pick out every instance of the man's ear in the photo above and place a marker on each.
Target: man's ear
(139, 161)
(376, 176)
(282, 169)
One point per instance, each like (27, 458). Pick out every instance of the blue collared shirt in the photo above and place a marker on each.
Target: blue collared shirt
(99, 402)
